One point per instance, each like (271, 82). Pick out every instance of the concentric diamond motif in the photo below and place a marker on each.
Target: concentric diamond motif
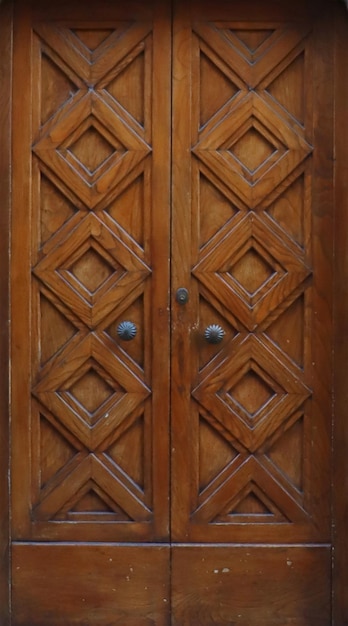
(94, 400)
(258, 144)
(244, 275)
(252, 149)
(91, 149)
(92, 270)
(70, 149)
(89, 288)
(90, 394)
(252, 271)
(251, 393)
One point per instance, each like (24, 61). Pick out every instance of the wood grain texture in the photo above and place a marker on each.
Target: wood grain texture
(246, 585)
(5, 196)
(252, 233)
(106, 585)
(340, 321)
(20, 270)
(96, 159)
(218, 117)
(321, 321)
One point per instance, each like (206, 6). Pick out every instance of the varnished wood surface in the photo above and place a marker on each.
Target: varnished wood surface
(95, 156)
(5, 155)
(101, 584)
(238, 212)
(246, 585)
(253, 243)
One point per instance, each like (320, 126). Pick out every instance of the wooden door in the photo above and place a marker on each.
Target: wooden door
(91, 165)
(252, 243)
(215, 508)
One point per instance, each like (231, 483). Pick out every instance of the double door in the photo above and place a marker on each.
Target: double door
(171, 313)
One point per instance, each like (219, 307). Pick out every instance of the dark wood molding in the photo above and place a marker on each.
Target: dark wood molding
(5, 195)
(341, 320)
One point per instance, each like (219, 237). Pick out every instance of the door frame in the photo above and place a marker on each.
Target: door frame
(340, 386)
(339, 381)
(6, 28)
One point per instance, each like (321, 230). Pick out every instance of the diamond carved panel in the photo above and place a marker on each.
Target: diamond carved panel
(91, 149)
(62, 386)
(92, 298)
(251, 393)
(92, 270)
(229, 271)
(91, 393)
(221, 393)
(92, 184)
(276, 149)
(253, 149)
(91, 120)
(252, 215)
(252, 271)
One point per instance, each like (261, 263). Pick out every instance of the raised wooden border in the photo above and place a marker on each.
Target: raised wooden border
(5, 195)
(340, 478)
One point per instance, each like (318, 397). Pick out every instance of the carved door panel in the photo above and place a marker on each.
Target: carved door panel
(90, 427)
(215, 508)
(252, 227)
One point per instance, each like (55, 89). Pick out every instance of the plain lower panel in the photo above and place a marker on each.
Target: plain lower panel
(90, 585)
(251, 586)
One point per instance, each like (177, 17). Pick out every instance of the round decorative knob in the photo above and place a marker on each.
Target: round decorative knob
(126, 331)
(214, 333)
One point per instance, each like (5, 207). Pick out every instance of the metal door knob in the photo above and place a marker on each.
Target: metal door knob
(214, 333)
(126, 331)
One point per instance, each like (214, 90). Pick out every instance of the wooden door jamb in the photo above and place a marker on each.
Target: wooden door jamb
(6, 19)
(340, 441)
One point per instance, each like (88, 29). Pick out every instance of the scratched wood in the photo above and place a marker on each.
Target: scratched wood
(270, 592)
(124, 585)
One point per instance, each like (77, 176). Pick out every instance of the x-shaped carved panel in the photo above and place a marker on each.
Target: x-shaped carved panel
(93, 66)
